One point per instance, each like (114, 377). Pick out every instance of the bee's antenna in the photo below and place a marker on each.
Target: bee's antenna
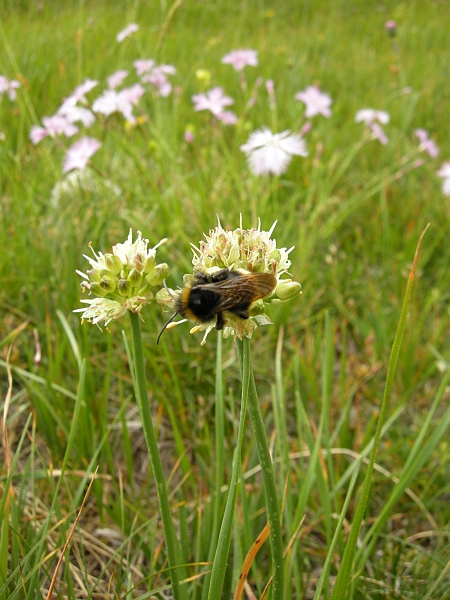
(172, 317)
(170, 294)
(165, 325)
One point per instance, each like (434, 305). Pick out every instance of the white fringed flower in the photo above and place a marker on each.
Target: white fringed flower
(269, 152)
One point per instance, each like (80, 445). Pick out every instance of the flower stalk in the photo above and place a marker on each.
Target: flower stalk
(173, 548)
(224, 541)
(265, 460)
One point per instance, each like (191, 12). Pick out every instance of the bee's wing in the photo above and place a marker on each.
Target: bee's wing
(242, 290)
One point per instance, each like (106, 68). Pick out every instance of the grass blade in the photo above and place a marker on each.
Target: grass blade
(341, 587)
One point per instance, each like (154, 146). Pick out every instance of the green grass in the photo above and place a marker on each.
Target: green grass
(353, 212)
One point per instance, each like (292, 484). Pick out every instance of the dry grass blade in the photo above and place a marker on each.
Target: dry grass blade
(5, 415)
(289, 546)
(262, 537)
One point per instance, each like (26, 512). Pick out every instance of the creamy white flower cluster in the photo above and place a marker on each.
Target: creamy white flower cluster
(245, 250)
(249, 249)
(121, 280)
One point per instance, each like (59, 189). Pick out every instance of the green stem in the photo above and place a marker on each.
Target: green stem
(173, 548)
(224, 541)
(220, 435)
(265, 460)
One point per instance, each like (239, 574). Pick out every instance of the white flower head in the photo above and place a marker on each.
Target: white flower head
(269, 152)
(121, 280)
(245, 251)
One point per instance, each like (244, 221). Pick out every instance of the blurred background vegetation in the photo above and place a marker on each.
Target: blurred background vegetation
(353, 211)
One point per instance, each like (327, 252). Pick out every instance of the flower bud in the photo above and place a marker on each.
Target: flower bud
(233, 254)
(150, 264)
(113, 263)
(288, 289)
(124, 287)
(257, 308)
(203, 76)
(94, 275)
(139, 262)
(391, 28)
(153, 147)
(96, 289)
(241, 264)
(270, 87)
(107, 282)
(163, 297)
(134, 277)
(259, 266)
(158, 275)
(189, 134)
(275, 255)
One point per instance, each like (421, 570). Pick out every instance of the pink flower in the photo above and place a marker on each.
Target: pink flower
(107, 103)
(53, 126)
(9, 86)
(370, 116)
(79, 154)
(228, 117)
(143, 66)
(271, 153)
(444, 172)
(129, 29)
(214, 100)
(74, 113)
(317, 102)
(378, 133)
(79, 93)
(116, 79)
(131, 94)
(426, 144)
(158, 79)
(239, 59)
(127, 98)
(111, 101)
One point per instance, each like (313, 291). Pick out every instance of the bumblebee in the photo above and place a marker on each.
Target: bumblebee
(209, 296)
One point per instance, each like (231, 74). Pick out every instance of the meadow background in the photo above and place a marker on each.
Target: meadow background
(354, 209)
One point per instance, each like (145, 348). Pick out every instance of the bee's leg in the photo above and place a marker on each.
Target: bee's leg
(219, 321)
(221, 275)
